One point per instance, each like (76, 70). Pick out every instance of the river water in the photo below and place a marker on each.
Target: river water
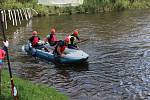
(119, 61)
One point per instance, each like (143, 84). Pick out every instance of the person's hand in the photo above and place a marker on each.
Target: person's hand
(77, 48)
(62, 55)
(46, 43)
(79, 41)
(40, 42)
(76, 43)
(6, 44)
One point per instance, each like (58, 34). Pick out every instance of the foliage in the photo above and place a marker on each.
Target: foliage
(89, 6)
(108, 5)
(42, 10)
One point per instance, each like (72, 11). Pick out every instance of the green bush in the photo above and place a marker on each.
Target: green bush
(42, 10)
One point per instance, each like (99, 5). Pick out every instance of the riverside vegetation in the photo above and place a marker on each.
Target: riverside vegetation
(89, 6)
(28, 90)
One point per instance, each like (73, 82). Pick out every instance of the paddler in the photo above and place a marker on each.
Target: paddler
(60, 47)
(74, 39)
(36, 42)
(2, 54)
(51, 37)
(34, 39)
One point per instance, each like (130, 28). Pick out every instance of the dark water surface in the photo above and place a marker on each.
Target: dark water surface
(119, 61)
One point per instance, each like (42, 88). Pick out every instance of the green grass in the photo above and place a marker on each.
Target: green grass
(27, 90)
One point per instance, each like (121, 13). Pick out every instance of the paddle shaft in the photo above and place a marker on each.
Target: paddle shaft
(83, 40)
(7, 55)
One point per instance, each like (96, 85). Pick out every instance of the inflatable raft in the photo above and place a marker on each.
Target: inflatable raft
(72, 56)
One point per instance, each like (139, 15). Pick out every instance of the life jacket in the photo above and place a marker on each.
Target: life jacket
(52, 38)
(62, 48)
(2, 54)
(35, 41)
(61, 45)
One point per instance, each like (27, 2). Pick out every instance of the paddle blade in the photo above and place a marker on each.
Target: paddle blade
(15, 91)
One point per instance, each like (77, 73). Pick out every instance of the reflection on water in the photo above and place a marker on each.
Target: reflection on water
(118, 45)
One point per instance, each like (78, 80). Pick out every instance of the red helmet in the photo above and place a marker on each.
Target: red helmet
(67, 39)
(34, 33)
(75, 33)
(53, 30)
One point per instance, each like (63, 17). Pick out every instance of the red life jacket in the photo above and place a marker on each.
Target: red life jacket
(2, 54)
(35, 41)
(62, 48)
(52, 38)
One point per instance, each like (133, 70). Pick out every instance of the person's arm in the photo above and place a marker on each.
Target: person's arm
(31, 39)
(58, 50)
(46, 38)
(39, 38)
(78, 38)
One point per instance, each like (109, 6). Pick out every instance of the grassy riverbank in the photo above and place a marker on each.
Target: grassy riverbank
(89, 6)
(27, 90)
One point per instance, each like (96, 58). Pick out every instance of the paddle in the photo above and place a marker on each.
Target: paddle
(83, 41)
(13, 88)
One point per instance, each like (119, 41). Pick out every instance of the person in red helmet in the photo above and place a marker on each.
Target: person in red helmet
(60, 47)
(51, 38)
(73, 37)
(34, 39)
(2, 54)
(36, 42)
